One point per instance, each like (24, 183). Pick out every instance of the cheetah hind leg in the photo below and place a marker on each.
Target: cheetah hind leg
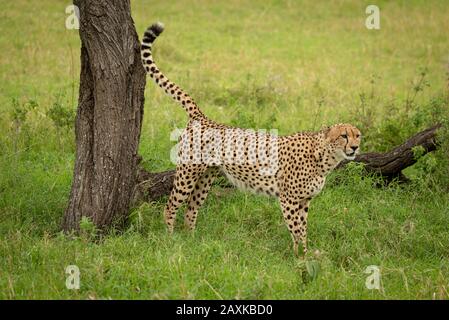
(186, 177)
(198, 196)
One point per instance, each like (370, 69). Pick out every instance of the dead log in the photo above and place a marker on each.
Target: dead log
(152, 186)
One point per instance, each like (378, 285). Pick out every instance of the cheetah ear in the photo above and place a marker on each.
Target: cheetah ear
(317, 154)
(331, 134)
(325, 129)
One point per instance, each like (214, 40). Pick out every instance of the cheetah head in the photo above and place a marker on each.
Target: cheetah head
(345, 139)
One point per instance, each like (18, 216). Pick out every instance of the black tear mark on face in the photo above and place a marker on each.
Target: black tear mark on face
(345, 136)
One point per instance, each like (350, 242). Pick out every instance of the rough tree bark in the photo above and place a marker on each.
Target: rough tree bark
(109, 115)
(151, 186)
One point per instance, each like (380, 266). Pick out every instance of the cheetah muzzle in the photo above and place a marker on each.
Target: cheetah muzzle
(292, 168)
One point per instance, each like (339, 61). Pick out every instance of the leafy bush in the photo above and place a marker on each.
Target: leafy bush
(20, 110)
(61, 115)
(388, 126)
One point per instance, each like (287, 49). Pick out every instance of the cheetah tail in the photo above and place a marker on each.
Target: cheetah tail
(169, 87)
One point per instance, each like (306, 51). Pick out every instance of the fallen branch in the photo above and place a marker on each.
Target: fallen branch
(152, 186)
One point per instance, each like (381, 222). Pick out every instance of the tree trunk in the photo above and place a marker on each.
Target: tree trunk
(151, 186)
(109, 116)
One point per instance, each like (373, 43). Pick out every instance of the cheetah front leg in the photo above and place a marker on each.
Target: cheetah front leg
(186, 177)
(295, 213)
(301, 228)
(198, 196)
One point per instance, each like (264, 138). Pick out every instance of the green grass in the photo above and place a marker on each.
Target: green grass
(261, 64)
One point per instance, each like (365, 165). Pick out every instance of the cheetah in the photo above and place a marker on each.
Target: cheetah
(292, 168)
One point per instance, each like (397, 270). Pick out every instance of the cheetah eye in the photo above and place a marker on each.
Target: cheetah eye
(344, 136)
(357, 136)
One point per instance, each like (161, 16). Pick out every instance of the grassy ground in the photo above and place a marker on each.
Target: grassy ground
(265, 64)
